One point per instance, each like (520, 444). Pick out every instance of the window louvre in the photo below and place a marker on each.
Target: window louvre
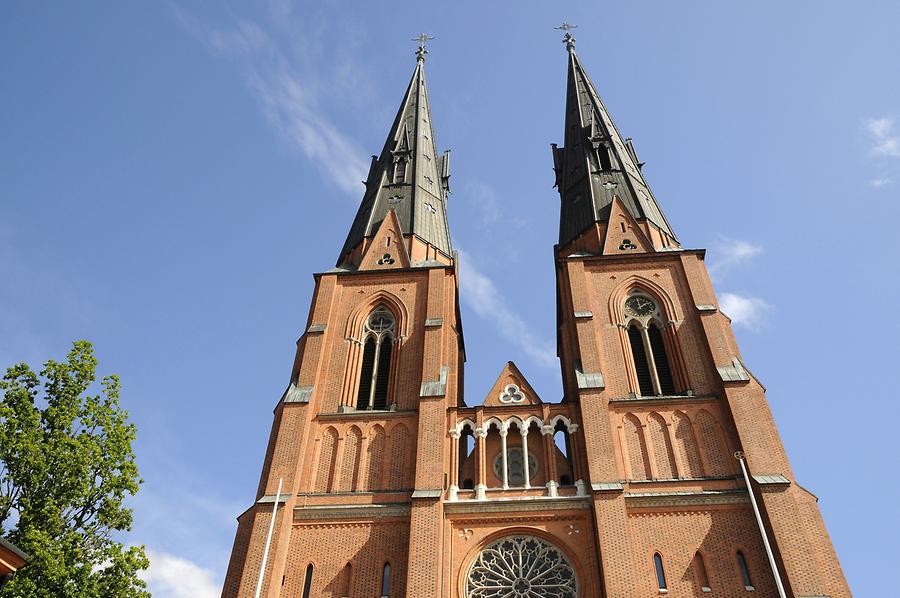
(365, 376)
(663, 371)
(641, 366)
(384, 370)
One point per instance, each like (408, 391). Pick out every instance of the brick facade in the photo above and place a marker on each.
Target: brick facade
(609, 477)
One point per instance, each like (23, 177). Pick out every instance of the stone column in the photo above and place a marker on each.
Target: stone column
(573, 452)
(480, 487)
(503, 434)
(524, 431)
(454, 465)
(550, 460)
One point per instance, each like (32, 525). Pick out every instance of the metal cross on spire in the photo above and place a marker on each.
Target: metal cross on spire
(422, 50)
(568, 39)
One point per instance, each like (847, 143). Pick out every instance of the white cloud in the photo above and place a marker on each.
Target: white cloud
(481, 294)
(885, 140)
(727, 253)
(288, 92)
(483, 197)
(749, 312)
(170, 576)
(880, 182)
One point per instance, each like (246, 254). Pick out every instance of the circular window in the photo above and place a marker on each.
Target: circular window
(516, 476)
(521, 567)
(380, 320)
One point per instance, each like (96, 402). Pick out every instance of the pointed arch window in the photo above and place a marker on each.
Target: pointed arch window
(386, 581)
(660, 573)
(346, 576)
(307, 582)
(652, 367)
(745, 571)
(700, 572)
(375, 370)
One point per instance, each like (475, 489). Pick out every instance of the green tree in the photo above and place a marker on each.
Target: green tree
(66, 465)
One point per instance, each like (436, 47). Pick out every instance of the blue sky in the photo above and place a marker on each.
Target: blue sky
(171, 174)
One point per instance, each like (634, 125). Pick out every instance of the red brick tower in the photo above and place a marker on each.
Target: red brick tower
(663, 396)
(392, 486)
(359, 437)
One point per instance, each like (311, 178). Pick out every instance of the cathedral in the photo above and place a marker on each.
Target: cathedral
(660, 472)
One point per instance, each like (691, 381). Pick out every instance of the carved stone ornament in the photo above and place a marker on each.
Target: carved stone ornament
(512, 394)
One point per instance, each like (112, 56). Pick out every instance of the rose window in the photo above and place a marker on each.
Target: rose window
(515, 467)
(521, 567)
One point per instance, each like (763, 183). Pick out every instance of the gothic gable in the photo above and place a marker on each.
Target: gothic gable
(511, 388)
(387, 251)
(623, 235)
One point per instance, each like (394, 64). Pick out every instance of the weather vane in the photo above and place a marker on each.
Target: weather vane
(568, 39)
(422, 50)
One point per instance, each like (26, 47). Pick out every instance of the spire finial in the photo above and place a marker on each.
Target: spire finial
(568, 39)
(422, 50)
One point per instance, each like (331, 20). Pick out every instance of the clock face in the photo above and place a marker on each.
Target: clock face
(639, 306)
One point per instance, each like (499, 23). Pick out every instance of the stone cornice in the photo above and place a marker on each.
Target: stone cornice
(662, 399)
(370, 511)
(671, 254)
(686, 499)
(517, 505)
(365, 415)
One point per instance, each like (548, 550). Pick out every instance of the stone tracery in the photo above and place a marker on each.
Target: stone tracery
(521, 567)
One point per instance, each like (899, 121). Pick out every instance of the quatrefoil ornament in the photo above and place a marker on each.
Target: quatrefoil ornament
(511, 394)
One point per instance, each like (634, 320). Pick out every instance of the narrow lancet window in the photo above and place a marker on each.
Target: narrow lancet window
(386, 581)
(346, 576)
(660, 573)
(375, 370)
(307, 583)
(700, 572)
(745, 572)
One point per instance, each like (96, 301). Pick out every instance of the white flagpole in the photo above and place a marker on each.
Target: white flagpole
(262, 568)
(739, 455)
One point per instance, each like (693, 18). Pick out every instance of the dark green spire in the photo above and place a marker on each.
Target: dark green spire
(596, 164)
(409, 176)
